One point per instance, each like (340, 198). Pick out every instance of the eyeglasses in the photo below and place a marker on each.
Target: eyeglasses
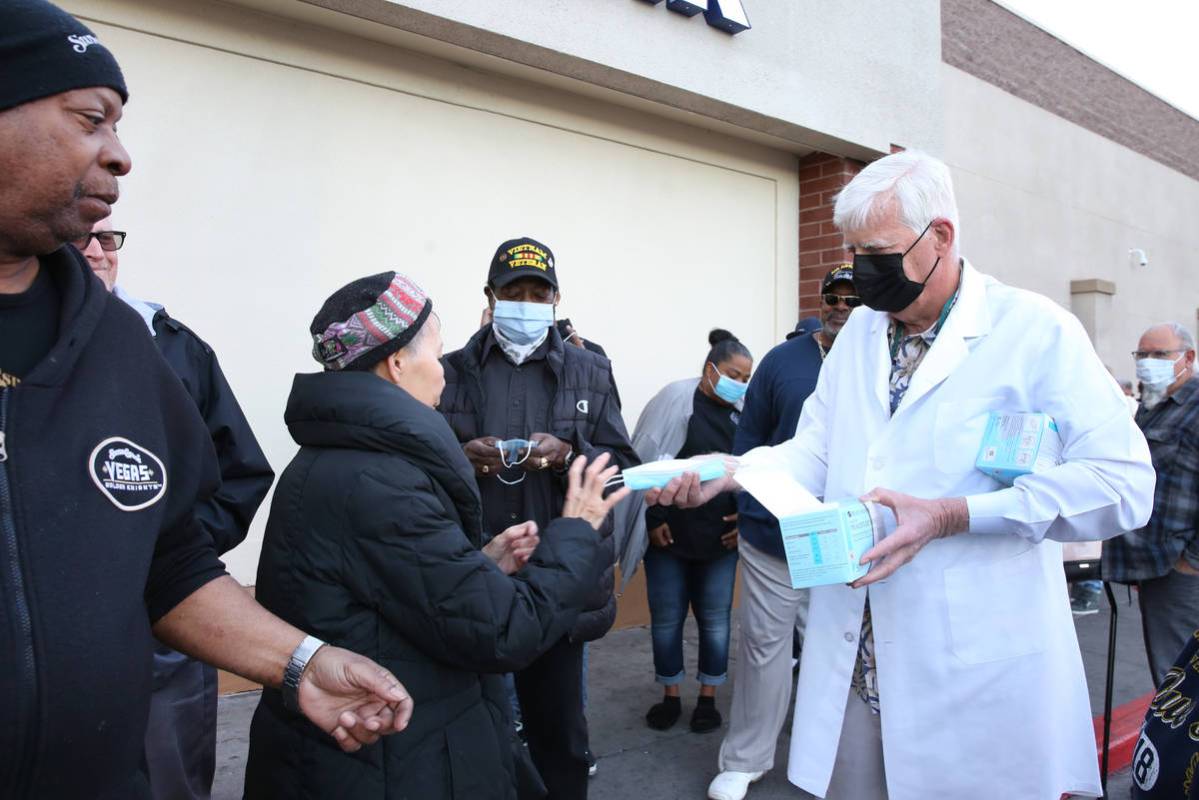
(109, 240)
(850, 300)
(1139, 354)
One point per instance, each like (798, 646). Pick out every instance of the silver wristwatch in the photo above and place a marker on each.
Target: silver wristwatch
(295, 670)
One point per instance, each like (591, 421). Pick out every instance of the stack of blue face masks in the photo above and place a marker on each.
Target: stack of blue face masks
(657, 474)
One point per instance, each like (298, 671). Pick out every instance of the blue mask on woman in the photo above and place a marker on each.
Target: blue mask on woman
(522, 323)
(727, 389)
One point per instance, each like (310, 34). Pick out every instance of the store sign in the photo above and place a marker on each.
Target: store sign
(728, 15)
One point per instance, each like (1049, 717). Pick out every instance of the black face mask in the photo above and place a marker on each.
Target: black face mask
(880, 281)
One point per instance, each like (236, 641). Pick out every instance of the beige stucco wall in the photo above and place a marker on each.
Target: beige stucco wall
(275, 161)
(850, 78)
(1044, 202)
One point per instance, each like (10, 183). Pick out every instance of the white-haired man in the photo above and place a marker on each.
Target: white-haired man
(952, 668)
(1162, 558)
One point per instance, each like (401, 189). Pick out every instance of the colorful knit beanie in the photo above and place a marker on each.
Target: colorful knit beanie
(364, 322)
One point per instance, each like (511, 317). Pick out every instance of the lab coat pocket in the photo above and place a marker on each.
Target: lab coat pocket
(958, 432)
(997, 609)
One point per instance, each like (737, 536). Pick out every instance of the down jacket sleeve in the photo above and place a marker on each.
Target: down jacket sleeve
(430, 582)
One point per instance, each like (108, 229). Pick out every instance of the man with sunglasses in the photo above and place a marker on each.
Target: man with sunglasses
(1162, 558)
(181, 736)
(770, 610)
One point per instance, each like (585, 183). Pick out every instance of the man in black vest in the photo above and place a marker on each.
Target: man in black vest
(181, 736)
(524, 404)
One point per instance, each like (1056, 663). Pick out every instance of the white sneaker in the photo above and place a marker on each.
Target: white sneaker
(732, 785)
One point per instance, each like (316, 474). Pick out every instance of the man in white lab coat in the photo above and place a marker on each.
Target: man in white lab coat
(951, 669)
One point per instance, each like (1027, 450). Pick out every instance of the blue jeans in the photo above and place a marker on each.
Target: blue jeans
(673, 585)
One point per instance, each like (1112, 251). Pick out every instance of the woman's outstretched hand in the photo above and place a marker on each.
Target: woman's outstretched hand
(585, 490)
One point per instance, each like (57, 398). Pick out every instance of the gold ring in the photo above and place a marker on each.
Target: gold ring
(545, 462)
(486, 469)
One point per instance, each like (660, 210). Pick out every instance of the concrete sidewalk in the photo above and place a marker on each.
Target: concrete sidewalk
(636, 762)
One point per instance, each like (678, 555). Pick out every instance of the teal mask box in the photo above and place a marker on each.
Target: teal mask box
(823, 547)
(1016, 444)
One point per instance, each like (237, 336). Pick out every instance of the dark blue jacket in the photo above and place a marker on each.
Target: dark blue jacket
(777, 391)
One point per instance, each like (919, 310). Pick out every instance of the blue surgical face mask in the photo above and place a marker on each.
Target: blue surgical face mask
(522, 323)
(657, 474)
(727, 389)
(510, 457)
(1156, 373)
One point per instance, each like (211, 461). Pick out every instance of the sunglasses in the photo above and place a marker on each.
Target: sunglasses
(850, 300)
(109, 240)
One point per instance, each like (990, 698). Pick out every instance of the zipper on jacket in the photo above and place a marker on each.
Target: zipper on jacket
(23, 664)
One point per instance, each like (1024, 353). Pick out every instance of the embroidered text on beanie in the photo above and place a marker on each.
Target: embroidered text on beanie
(45, 51)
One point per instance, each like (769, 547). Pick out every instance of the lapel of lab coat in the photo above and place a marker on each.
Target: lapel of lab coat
(969, 318)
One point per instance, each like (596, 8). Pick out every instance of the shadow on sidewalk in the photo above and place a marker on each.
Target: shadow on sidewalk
(637, 762)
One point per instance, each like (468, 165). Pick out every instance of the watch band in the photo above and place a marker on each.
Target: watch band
(295, 670)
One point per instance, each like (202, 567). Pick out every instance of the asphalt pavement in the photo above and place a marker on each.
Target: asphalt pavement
(637, 762)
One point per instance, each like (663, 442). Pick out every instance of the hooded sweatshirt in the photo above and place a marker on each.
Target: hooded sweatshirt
(104, 458)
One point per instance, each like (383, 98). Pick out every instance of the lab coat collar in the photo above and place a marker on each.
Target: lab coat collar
(970, 318)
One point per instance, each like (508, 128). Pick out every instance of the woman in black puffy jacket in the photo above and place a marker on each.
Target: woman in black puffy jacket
(375, 543)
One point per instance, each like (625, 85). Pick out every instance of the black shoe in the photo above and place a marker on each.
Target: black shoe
(705, 718)
(664, 715)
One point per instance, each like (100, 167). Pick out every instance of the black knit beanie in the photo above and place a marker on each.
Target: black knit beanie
(45, 51)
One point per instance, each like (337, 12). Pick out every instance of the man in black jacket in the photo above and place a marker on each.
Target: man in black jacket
(181, 736)
(103, 460)
(515, 380)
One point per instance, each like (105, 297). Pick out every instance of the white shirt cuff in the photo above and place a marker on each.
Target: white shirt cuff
(996, 512)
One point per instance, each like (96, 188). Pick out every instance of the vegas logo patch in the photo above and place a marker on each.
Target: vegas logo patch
(128, 474)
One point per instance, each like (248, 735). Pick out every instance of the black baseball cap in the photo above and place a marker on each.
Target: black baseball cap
(841, 272)
(521, 258)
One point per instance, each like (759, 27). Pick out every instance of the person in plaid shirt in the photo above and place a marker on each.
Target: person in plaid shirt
(1162, 558)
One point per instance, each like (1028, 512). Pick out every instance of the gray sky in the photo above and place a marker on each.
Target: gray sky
(1150, 42)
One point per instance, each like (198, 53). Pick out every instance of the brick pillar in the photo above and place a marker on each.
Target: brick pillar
(821, 176)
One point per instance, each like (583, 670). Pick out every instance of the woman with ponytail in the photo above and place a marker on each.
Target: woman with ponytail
(691, 560)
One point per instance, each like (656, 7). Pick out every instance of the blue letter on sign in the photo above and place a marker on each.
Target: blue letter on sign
(728, 15)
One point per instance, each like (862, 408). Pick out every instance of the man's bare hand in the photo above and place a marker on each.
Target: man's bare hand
(660, 536)
(585, 490)
(918, 522)
(550, 452)
(1185, 567)
(686, 491)
(729, 540)
(512, 549)
(352, 698)
(483, 455)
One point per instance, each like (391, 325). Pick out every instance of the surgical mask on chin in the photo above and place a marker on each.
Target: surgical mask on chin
(727, 389)
(1155, 375)
(880, 281)
(522, 323)
(657, 474)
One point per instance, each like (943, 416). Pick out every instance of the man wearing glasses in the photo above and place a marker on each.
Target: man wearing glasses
(770, 608)
(1162, 558)
(181, 736)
